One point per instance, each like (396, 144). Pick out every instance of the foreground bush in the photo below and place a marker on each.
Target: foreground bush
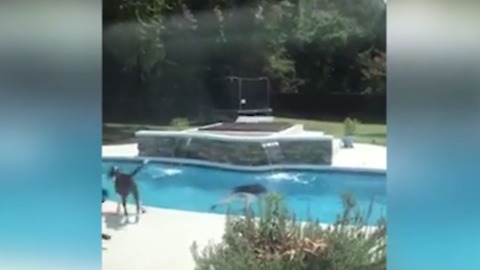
(275, 241)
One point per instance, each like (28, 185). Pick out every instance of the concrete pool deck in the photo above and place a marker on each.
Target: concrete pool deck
(162, 238)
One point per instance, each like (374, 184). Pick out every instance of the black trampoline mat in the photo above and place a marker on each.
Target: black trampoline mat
(255, 127)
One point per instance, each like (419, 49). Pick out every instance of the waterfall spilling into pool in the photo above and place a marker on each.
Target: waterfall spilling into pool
(273, 152)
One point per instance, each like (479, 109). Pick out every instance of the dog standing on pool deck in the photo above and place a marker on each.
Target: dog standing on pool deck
(249, 192)
(125, 185)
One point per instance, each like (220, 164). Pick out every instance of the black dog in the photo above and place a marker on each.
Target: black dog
(249, 192)
(126, 185)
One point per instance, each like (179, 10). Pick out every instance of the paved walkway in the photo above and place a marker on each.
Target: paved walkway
(160, 240)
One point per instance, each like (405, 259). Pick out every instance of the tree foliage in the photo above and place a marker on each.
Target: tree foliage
(307, 45)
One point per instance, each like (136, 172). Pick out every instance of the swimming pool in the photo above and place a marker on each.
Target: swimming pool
(307, 193)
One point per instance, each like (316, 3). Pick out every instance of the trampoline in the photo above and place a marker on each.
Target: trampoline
(242, 96)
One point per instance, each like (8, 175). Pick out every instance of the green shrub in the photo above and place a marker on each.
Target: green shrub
(275, 241)
(350, 126)
(180, 123)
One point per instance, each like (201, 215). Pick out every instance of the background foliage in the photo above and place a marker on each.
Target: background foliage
(159, 52)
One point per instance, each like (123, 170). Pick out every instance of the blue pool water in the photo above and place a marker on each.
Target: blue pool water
(315, 194)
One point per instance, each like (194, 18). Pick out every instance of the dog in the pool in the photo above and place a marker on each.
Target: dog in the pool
(250, 193)
(125, 185)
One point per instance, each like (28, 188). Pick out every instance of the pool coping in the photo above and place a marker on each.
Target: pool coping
(201, 163)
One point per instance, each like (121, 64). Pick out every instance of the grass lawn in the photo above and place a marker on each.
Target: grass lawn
(366, 133)
(115, 133)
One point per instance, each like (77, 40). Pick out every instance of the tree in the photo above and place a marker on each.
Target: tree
(306, 46)
(374, 63)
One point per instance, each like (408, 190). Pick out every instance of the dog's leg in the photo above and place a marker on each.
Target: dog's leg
(225, 200)
(124, 203)
(119, 204)
(140, 209)
(249, 200)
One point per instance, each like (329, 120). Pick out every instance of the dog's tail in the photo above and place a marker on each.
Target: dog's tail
(145, 162)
